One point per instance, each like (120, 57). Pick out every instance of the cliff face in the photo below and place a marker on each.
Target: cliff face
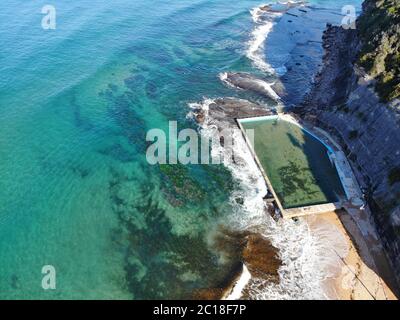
(379, 30)
(344, 101)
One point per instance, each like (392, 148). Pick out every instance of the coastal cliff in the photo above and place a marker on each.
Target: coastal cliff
(355, 98)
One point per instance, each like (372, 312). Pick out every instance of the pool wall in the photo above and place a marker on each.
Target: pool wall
(300, 211)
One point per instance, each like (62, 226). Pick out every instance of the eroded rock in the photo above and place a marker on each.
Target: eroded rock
(246, 81)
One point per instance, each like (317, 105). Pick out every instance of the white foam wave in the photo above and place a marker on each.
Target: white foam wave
(203, 107)
(255, 51)
(223, 76)
(307, 257)
(243, 281)
(265, 21)
(306, 263)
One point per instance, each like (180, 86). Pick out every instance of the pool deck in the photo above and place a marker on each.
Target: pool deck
(373, 273)
(346, 175)
(311, 210)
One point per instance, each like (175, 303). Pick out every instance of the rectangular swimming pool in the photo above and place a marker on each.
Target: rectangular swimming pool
(296, 162)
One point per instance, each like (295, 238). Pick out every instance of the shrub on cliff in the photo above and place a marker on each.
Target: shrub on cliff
(379, 30)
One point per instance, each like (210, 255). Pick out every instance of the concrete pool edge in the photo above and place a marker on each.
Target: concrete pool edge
(287, 118)
(346, 176)
(260, 167)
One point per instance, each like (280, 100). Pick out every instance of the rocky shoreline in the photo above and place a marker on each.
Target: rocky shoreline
(254, 251)
(223, 112)
(343, 102)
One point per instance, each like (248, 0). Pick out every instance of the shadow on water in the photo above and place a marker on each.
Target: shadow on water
(322, 168)
(317, 171)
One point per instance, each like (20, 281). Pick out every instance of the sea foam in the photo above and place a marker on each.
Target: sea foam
(265, 21)
(266, 86)
(308, 258)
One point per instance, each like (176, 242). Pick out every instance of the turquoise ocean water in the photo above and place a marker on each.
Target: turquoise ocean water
(75, 104)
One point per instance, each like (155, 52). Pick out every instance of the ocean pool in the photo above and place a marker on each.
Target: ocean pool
(296, 162)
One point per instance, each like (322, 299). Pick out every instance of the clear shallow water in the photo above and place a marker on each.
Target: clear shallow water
(297, 164)
(75, 105)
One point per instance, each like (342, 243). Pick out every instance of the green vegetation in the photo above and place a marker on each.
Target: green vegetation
(343, 108)
(379, 29)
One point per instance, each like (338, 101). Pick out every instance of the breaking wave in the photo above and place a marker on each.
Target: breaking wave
(308, 258)
(265, 17)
